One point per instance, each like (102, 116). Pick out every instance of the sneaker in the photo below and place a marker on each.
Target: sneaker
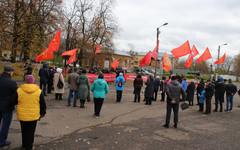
(166, 125)
(96, 116)
(6, 144)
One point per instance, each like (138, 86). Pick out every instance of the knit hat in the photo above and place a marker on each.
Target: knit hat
(29, 79)
(121, 74)
(8, 68)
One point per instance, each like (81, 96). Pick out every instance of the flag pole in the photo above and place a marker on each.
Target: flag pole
(158, 32)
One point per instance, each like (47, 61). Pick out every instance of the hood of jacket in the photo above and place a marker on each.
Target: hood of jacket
(100, 81)
(174, 82)
(83, 76)
(29, 88)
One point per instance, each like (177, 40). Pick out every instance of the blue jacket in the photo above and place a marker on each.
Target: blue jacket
(184, 84)
(99, 88)
(202, 97)
(117, 80)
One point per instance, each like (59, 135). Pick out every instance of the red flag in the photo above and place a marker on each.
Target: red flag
(46, 54)
(97, 49)
(155, 51)
(181, 50)
(146, 59)
(55, 42)
(70, 52)
(115, 64)
(166, 63)
(194, 51)
(189, 61)
(221, 60)
(205, 56)
(72, 58)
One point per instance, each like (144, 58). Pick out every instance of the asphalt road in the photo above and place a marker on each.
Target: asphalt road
(131, 126)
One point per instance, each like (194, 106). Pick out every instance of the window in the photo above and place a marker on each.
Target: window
(136, 59)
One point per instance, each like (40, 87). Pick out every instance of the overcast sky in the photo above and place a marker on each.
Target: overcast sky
(205, 23)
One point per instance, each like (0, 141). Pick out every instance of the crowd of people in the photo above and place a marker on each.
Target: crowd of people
(176, 87)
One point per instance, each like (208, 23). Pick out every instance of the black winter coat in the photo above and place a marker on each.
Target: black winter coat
(43, 73)
(138, 83)
(209, 90)
(200, 87)
(190, 91)
(8, 88)
(231, 89)
(156, 85)
(220, 88)
(150, 87)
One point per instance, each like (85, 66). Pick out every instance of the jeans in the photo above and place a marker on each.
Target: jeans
(119, 96)
(229, 99)
(98, 102)
(175, 108)
(5, 121)
(74, 99)
(28, 130)
(44, 84)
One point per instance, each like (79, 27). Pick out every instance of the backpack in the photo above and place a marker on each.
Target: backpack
(120, 83)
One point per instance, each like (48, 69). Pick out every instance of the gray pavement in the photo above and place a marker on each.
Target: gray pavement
(130, 126)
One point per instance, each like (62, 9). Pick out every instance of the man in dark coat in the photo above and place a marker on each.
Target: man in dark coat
(200, 88)
(231, 90)
(8, 89)
(190, 93)
(156, 88)
(149, 90)
(44, 75)
(29, 69)
(50, 80)
(219, 93)
(174, 90)
(137, 83)
(209, 92)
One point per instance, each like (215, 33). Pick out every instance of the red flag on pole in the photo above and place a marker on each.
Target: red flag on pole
(181, 50)
(97, 49)
(55, 42)
(193, 53)
(166, 63)
(146, 59)
(205, 56)
(72, 59)
(46, 54)
(155, 51)
(115, 64)
(189, 61)
(221, 60)
(70, 52)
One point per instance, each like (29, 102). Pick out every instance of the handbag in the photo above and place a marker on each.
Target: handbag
(184, 106)
(59, 84)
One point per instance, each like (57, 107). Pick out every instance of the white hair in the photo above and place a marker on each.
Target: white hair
(59, 70)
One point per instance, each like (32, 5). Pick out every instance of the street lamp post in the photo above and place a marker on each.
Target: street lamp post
(218, 58)
(158, 32)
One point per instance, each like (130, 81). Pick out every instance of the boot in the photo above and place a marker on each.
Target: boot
(56, 96)
(60, 96)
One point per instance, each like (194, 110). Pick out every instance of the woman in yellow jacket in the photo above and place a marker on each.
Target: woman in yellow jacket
(31, 107)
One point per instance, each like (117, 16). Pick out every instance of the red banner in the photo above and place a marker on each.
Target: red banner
(112, 77)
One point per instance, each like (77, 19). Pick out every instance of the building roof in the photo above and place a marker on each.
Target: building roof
(160, 54)
(122, 53)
